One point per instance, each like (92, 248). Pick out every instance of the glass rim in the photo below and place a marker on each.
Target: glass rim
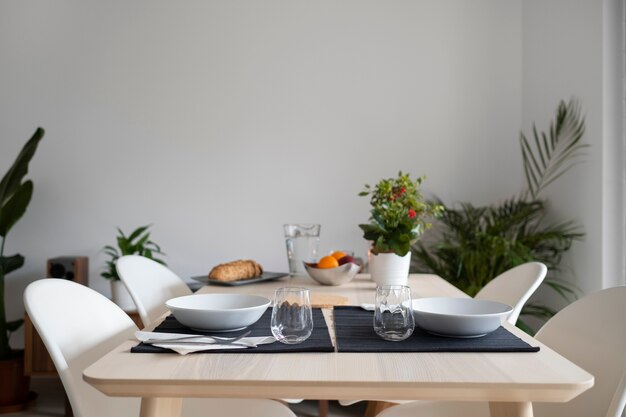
(292, 289)
(392, 286)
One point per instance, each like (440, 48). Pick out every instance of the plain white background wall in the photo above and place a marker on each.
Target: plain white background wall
(219, 121)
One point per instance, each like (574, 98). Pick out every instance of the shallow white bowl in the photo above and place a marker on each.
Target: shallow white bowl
(218, 312)
(339, 275)
(459, 317)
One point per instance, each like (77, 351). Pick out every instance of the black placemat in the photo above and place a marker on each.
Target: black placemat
(354, 332)
(319, 341)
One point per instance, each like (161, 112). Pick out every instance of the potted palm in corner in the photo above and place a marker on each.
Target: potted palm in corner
(15, 194)
(398, 218)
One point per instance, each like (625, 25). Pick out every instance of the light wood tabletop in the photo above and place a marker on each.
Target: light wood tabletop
(510, 382)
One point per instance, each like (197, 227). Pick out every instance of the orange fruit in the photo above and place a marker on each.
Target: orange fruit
(338, 254)
(327, 262)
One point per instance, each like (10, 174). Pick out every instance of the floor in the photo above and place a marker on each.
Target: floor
(50, 403)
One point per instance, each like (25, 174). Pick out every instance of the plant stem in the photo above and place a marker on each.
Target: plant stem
(5, 349)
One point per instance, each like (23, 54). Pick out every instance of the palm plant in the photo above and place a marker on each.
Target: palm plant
(472, 245)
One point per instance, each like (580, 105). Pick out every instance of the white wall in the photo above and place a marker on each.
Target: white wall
(218, 121)
(575, 48)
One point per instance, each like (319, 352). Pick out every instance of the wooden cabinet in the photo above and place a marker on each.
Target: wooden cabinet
(37, 361)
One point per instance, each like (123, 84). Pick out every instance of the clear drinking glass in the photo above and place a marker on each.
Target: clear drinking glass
(393, 313)
(302, 242)
(292, 316)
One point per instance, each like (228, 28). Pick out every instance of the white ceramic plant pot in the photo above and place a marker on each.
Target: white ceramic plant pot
(389, 268)
(121, 296)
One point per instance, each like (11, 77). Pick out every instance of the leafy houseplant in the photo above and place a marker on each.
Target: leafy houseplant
(472, 245)
(15, 196)
(398, 216)
(137, 243)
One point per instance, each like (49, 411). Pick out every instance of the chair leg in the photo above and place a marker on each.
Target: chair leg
(375, 407)
(322, 408)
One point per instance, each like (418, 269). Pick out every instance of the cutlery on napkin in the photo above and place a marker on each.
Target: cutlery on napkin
(185, 343)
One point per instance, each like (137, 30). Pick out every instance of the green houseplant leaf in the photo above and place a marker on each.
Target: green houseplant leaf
(15, 195)
(10, 263)
(13, 178)
(548, 157)
(15, 207)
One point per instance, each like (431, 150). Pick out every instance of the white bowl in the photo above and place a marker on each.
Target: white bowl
(459, 317)
(338, 275)
(218, 312)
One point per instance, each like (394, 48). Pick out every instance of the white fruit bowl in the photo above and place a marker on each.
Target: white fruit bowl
(338, 275)
(218, 312)
(459, 317)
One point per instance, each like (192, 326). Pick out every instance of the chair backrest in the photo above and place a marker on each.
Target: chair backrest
(78, 326)
(514, 287)
(150, 284)
(591, 333)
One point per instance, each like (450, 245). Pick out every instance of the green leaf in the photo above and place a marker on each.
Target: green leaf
(124, 246)
(14, 325)
(538, 311)
(554, 151)
(15, 207)
(11, 263)
(137, 232)
(521, 324)
(142, 241)
(121, 234)
(13, 178)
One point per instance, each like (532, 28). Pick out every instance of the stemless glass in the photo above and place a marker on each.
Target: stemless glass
(292, 316)
(393, 314)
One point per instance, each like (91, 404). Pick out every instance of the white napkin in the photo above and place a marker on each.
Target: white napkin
(190, 347)
(368, 307)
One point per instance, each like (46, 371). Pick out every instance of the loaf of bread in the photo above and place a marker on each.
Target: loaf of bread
(236, 270)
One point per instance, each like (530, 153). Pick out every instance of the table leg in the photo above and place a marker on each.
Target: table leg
(322, 408)
(375, 407)
(523, 409)
(161, 407)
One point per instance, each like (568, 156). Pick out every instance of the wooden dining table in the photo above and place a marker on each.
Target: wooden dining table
(509, 382)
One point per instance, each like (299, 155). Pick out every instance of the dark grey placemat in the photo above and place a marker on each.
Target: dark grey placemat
(319, 341)
(354, 331)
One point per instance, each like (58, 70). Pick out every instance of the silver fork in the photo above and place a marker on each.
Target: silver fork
(185, 339)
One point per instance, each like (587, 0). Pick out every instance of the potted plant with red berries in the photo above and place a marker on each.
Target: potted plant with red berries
(398, 218)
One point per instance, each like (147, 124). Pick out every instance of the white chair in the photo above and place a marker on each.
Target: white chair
(589, 332)
(514, 287)
(150, 285)
(79, 325)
